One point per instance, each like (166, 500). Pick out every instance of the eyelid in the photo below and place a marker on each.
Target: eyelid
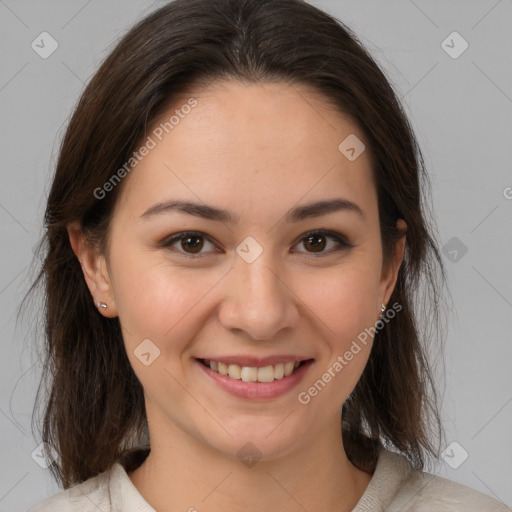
(168, 241)
(338, 237)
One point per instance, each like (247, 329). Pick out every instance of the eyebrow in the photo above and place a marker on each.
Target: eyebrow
(298, 214)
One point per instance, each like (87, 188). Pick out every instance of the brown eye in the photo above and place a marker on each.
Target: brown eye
(188, 244)
(195, 243)
(316, 242)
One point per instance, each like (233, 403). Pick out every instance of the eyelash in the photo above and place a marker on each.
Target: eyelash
(343, 244)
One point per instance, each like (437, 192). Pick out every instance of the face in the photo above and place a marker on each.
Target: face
(253, 277)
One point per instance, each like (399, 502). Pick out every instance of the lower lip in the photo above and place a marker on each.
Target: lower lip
(256, 390)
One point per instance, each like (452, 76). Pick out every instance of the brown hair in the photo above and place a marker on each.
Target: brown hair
(94, 411)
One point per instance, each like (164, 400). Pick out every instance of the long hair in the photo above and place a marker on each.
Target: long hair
(94, 409)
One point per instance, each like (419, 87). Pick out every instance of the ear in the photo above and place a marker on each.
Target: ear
(94, 267)
(388, 279)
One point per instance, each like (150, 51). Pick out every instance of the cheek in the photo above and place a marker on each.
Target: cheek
(341, 302)
(158, 301)
(342, 299)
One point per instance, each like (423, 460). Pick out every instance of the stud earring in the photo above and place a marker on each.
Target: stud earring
(101, 305)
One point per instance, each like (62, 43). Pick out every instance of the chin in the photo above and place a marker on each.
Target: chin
(257, 439)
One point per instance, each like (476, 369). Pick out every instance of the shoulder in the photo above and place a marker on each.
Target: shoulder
(110, 491)
(423, 492)
(89, 496)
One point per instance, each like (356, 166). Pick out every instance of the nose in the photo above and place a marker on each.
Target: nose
(258, 302)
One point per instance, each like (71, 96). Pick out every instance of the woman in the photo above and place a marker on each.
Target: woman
(237, 233)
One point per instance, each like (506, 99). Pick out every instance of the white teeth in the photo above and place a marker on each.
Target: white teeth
(288, 368)
(266, 374)
(254, 374)
(249, 374)
(279, 371)
(235, 371)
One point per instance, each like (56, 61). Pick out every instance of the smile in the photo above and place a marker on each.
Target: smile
(262, 381)
(267, 373)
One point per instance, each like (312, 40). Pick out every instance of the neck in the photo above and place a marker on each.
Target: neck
(184, 473)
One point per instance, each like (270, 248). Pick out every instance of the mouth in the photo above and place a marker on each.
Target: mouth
(262, 374)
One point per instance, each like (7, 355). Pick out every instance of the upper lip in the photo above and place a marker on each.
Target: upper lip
(255, 362)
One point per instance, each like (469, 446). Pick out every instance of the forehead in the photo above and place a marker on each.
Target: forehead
(250, 144)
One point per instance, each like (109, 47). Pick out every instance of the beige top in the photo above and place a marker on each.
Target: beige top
(395, 487)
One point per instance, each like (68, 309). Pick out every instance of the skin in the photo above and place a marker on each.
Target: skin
(257, 151)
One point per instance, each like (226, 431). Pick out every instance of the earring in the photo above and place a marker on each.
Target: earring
(101, 305)
(383, 308)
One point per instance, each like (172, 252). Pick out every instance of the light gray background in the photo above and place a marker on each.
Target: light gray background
(462, 111)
